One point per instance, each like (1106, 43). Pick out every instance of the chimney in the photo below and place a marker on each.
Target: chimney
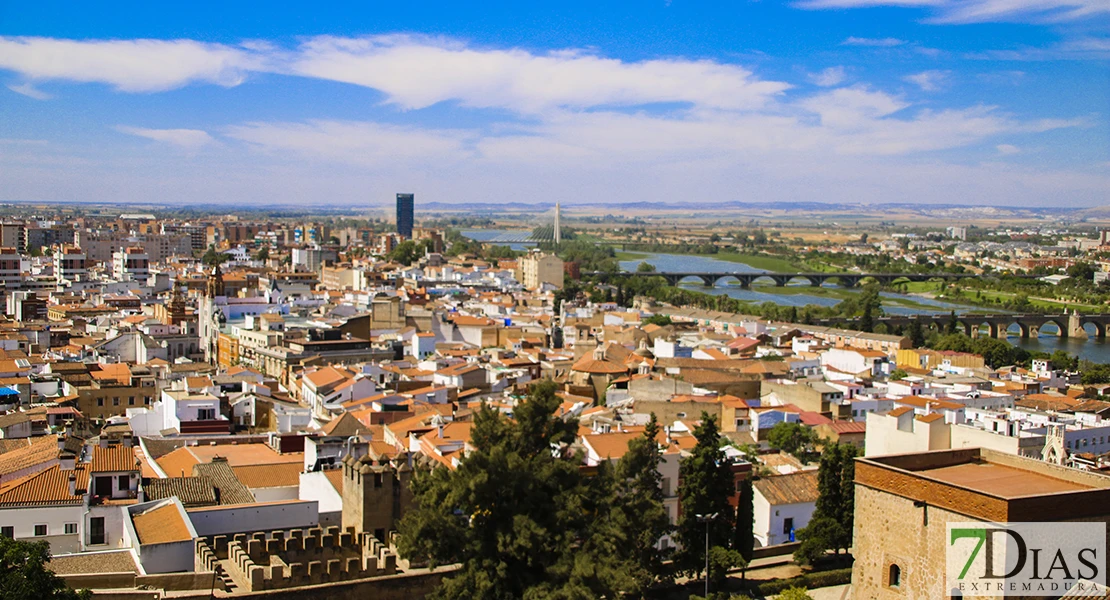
(72, 484)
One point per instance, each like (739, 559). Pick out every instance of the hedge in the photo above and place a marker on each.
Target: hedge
(808, 581)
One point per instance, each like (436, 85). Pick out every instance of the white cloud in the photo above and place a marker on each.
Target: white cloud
(982, 11)
(1007, 149)
(829, 77)
(356, 142)
(30, 91)
(190, 139)
(876, 42)
(127, 65)
(416, 72)
(929, 81)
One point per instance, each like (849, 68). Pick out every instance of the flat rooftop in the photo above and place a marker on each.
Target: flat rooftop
(989, 485)
(1003, 481)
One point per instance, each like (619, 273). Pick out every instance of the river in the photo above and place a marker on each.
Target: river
(896, 304)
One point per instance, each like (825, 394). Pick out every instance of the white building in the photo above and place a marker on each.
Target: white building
(783, 504)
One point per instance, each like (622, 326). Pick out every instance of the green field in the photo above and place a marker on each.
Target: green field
(759, 261)
(632, 255)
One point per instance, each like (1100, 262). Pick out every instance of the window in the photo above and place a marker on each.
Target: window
(131, 401)
(100, 401)
(96, 531)
(787, 525)
(7, 531)
(122, 482)
(206, 414)
(71, 528)
(40, 530)
(115, 401)
(894, 576)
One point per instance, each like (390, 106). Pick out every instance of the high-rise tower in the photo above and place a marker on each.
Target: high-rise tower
(405, 204)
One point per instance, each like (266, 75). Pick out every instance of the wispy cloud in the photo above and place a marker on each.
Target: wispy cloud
(30, 91)
(888, 42)
(190, 139)
(1007, 149)
(1080, 48)
(127, 65)
(829, 77)
(982, 11)
(415, 72)
(929, 81)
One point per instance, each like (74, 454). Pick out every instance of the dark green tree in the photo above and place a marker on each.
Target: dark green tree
(645, 267)
(24, 576)
(519, 515)
(830, 527)
(744, 539)
(793, 438)
(707, 485)
(640, 507)
(953, 325)
(405, 253)
(916, 333)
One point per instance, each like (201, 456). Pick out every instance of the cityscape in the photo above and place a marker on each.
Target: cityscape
(791, 301)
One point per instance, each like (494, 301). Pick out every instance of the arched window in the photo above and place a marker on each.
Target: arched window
(894, 578)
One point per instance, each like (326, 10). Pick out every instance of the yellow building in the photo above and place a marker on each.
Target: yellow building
(537, 269)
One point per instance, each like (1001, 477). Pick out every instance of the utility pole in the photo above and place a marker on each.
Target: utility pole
(706, 519)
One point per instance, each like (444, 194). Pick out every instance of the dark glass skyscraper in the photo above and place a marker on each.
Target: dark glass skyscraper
(404, 214)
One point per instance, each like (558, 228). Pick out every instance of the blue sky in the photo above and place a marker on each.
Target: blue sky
(1001, 102)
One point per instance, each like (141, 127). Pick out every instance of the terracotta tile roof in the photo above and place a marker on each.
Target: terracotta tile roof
(178, 462)
(119, 561)
(41, 449)
(267, 476)
(229, 490)
(161, 525)
(335, 476)
(192, 491)
(848, 426)
(901, 410)
(588, 364)
(48, 487)
(7, 445)
(344, 425)
(610, 445)
(107, 459)
(795, 488)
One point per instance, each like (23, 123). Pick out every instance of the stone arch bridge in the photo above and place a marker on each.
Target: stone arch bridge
(782, 279)
(1029, 325)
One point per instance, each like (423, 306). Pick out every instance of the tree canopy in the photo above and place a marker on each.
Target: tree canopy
(24, 576)
(525, 521)
(832, 523)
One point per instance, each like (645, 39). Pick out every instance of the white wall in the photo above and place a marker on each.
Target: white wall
(769, 519)
(23, 521)
(276, 494)
(254, 517)
(168, 557)
(317, 488)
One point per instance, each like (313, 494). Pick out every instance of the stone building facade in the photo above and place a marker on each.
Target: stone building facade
(903, 504)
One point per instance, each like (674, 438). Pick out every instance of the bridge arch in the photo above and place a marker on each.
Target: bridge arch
(680, 278)
(808, 279)
(726, 280)
(763, 279)
(1093, 327)
(1061, 326)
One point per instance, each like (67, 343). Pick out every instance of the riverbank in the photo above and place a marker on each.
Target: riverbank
(758, 262)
